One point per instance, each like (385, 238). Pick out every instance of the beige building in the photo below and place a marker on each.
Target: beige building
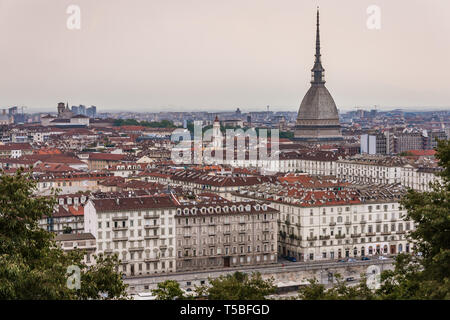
(225, 234)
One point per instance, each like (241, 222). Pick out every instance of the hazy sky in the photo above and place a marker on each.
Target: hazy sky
(154, 55)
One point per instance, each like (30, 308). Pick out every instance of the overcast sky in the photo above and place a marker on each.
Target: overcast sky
(155, 55)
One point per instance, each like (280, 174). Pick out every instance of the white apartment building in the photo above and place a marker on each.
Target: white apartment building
(140, 230)
(386, 170)
(324, 225)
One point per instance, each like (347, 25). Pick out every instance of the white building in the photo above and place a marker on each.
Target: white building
(141, 231)
(324, 225)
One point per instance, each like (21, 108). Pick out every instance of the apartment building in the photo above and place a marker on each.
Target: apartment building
(372, 169)
(68, 215)
(225, 234)
(140, 230)
(331, 224)
(15, 150)
(82, 241)
(69, 182)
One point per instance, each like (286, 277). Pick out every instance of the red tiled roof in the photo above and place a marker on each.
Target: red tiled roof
(107, 156)
(16, 146)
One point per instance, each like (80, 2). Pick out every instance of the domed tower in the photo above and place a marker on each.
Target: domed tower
(318, 118)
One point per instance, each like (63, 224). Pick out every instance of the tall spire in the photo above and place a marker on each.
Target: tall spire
(317, 72)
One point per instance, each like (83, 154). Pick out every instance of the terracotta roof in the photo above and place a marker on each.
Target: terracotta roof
(16, 146)
(107, 156)
(74, 236)
(135, 203)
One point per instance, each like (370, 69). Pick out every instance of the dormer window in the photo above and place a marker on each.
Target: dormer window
(194, 211)
(178, 211)
(218, 209)
(186, 211)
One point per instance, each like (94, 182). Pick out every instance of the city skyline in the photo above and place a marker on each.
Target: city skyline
(155, 57)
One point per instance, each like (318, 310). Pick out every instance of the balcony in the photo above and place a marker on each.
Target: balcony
(370, 234)
(400, 232)
(151, 227)
(119, 228)
(154, 259)
(332, 224)
(151, 237)
(385, 233)
(324, 237)
(120, 239)
(311, 238)
(347, 223)
(342, 236)
(136, 249)
(356, 235)
(119, 218)
(363, 222)
(151, 216)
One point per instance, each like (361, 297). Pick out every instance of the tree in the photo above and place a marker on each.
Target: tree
(425, 275)
(168, 290)
(237, 286)
(32, 266)
(340, 291)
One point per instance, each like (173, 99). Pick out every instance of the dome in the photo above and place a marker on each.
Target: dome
(318, 104)
(318, 118)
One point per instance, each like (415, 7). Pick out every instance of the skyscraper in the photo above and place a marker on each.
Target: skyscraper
(318, 118)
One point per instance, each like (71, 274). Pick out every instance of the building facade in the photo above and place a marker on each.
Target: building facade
(210, 236)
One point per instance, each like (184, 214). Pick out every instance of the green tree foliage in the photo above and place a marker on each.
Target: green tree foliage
(425, 276)
(168, 290)
(31, 265)
(340, 291)
(237, 286)
(152, 124)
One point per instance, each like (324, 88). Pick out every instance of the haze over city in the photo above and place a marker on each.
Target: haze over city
(216, 55)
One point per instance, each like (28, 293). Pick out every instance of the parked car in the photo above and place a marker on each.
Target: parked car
(342, 260)
(292, 259)
(365, 258)
(351, 260)
(382, 258)
(349, 279)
